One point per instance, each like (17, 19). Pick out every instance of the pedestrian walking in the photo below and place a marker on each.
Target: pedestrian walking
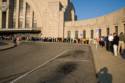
(106, 43)
(121, 46)
(110, 39)
(14, 41)
(115, 44)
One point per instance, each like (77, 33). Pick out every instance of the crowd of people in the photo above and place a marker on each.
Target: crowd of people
(114, 43)
(65, 40)
(17, 38)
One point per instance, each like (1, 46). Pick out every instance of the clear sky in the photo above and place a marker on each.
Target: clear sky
(92, 8)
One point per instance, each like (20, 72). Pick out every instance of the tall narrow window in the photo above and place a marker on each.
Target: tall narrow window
(92, 34)
(4, 2)
(21, 8)
(3, 19)
(84, 34)
(21, 5)
(108, 31)
(27, 24)
(21, 18)
(116, 29)
(34, 21)
(76, 34)
(11, 14)
(15, 1)
(14, 14)
(20, 25)
(100, 32)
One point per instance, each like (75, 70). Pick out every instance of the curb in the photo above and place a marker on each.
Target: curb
(6, 47)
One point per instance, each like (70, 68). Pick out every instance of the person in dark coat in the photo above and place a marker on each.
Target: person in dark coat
(115, 44)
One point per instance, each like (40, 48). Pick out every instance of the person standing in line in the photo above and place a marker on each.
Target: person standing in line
(121, 43)
(17, 40)
(106, 43)
(97, 42)
(110, 39)
(14, 41)
(115, 44)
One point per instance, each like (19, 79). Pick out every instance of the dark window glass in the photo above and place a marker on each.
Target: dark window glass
(3, 19)
(76, 34)
(108, 31)
(84, 34)
(116, 29)
(92, 34)
(100, 32)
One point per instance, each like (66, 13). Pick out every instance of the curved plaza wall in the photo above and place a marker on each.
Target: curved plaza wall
(100, 26)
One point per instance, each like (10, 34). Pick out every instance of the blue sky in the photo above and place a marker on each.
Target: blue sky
(92, 8)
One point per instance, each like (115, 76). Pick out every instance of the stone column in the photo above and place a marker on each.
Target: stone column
(7, 15)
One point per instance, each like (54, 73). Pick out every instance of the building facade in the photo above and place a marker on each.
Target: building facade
(97, 27)
(55, 18)
(17, 16)
(45, 18)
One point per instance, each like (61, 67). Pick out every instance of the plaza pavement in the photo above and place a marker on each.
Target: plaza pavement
(47, 63)
(103, 59)
(114, 64)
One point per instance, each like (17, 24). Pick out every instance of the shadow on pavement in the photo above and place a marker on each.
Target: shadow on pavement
(104, 76)
(61, 72)
(123, 54)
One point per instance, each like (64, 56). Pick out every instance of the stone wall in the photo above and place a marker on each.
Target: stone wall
(111, 20)
(49, 16)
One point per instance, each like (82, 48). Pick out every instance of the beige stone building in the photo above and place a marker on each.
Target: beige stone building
(45, 18)
(55, 18)
(96, 27)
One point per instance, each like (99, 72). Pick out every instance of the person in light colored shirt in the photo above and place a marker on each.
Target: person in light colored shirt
(110, 39)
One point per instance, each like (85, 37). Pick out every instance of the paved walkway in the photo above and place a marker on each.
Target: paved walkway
(5, 45)
(114, 64)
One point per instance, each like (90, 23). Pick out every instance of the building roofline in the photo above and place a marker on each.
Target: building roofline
(118, 10)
